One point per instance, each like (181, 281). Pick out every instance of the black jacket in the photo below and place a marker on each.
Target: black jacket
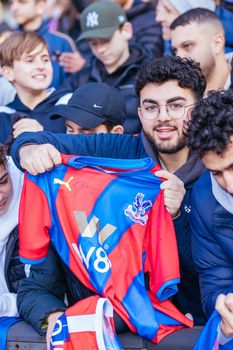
(13, 269)
(146, 31)
(123, 79)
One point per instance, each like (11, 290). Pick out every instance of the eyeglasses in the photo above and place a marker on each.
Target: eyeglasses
(174, 110)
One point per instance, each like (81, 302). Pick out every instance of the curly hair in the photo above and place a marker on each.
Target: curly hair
(3, 153)
(158, 71)
(211, 125)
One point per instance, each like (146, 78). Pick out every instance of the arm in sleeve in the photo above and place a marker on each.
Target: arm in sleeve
(42, 292)
(210, 261)
(96, 145)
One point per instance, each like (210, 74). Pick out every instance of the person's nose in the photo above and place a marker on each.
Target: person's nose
(163, 114)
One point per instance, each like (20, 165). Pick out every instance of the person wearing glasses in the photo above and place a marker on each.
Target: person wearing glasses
(168, 89)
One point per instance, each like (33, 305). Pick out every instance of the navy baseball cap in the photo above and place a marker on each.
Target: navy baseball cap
(93, 104)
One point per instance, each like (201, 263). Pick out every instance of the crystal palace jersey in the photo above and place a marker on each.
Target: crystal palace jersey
(108, 223)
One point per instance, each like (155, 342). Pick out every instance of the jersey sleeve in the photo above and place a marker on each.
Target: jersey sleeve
(162, 262)
(34, 223)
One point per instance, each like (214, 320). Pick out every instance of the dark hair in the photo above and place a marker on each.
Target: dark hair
(197, 15)
(211, 125)
(3, 154)
(187, 72)
(109, 125)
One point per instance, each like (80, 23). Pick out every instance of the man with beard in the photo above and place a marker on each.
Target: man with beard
(199, 34)
(168, 89)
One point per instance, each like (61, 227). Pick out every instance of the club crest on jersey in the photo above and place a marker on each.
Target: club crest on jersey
(137, 211)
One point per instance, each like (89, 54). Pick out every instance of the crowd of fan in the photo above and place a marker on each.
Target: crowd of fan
(128, 79)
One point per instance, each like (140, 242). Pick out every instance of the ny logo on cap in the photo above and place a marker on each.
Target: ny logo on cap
(92, 19)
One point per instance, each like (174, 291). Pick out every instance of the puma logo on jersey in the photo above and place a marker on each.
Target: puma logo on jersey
(65, 183)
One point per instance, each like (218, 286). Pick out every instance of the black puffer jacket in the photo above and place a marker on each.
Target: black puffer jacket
(14, 269)
(146, 31)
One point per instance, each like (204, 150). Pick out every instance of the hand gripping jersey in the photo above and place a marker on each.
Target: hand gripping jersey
(210, 336)
(108, 223)
(88, 324)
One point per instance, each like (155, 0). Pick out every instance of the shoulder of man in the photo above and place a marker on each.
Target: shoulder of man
(202, 196)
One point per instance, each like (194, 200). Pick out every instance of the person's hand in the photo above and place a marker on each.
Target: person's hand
(224, 306)
(51, 321)
(37, 159)
(26, 124)
(72, 61)
(174, 191)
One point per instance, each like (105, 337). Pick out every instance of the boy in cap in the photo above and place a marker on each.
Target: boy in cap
(105, 26)
(28, 14)
(93, 108)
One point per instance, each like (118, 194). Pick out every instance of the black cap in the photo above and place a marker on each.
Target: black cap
(93, 104)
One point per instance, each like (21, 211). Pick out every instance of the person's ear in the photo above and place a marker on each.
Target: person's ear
(117, 129)
(218, 43)
(127, 30)
(8, 73)
(140, 113)
(189, 113)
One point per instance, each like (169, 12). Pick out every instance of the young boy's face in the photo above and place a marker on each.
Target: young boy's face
(25, 11)
(33, 72)
(111, 52)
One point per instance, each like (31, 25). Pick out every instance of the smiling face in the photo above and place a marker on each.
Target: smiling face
(165, 133)
(6, 189)
(32, 73)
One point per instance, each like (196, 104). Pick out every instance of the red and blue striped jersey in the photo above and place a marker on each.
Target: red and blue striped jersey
(209, 338)
(88, 324)
(107, 221)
